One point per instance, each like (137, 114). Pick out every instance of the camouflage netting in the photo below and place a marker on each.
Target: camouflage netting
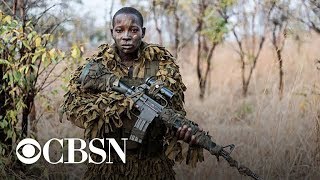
(101, 113)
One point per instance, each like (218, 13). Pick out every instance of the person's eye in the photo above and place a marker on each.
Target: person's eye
(134, 30)
(118, 30)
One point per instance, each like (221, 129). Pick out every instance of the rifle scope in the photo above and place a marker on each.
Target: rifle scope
(165, 91)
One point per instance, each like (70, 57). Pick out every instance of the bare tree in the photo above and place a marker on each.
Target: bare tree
(249, 32)
(156, 17)
(202, 46)
(108, 22)
(175, 4)
(171, 8)
(211, 29)
(310, 14)
(279, 22)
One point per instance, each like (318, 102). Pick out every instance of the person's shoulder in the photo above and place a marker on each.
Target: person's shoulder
(157, 52)
(104, 52)
(103, 48)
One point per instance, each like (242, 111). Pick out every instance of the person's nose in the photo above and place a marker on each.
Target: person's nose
(127, 36)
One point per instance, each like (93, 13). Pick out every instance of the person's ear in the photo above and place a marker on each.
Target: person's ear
(143, 32)
(111, 30)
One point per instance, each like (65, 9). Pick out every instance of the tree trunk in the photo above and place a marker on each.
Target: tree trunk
(33, 119)
(198, 61)
(281, 84)
(23, 14)
(278, 46)
(176, 32)
(243, 77)
(3, 106)
(28, 101)
(14, 9)
(156, 22)
(3, 110)
(204, 80)
(25, 114)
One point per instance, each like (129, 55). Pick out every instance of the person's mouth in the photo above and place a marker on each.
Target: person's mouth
(127, 46)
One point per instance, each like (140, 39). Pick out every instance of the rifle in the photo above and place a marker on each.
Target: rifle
(153, 105)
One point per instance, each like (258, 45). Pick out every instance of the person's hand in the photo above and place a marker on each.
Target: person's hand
(184, 133)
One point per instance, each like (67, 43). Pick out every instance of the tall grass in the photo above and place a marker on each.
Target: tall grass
(276, 138)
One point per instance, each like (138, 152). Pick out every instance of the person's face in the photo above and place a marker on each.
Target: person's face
(127, 33)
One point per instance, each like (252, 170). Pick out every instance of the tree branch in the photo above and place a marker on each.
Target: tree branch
(185, 42)
(43, 13)
(46, 78)
(4, 2)
(49, 83)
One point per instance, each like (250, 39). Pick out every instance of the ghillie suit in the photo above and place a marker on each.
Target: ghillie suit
(104, 113)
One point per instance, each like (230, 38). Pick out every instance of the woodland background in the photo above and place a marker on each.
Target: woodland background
(251, 68)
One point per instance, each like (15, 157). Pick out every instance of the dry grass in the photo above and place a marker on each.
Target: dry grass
(277, 139)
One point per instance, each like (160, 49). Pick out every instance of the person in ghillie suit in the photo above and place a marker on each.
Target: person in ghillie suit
(103, 113)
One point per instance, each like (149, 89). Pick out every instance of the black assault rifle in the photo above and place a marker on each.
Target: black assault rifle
(153, 106)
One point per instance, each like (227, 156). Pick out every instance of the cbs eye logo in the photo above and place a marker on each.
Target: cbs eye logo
(28, 151)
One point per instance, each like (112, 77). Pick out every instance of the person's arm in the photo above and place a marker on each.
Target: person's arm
(88, 107)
